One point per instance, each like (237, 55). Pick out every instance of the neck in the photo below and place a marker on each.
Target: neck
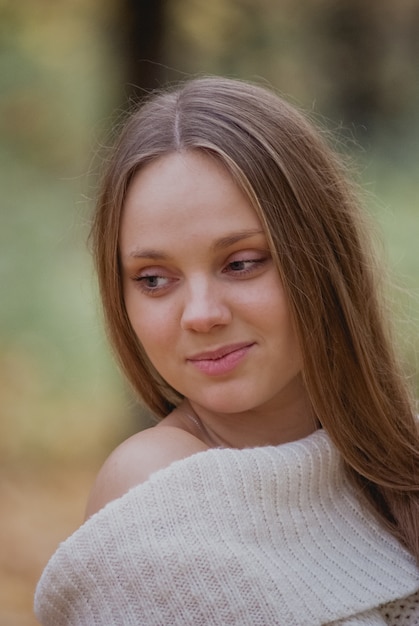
(259, 427)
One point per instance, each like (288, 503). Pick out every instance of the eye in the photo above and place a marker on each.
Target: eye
(152, 283)
(241, 266)
(244, 266)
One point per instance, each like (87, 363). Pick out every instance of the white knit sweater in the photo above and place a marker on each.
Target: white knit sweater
(254, 537)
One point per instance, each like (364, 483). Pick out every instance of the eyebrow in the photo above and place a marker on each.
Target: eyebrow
(229, 240)
(220, 244)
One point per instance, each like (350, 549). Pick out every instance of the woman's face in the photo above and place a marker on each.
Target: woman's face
(201, 290)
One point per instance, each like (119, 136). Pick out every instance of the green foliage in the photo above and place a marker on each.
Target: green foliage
(395, 207)
(55, 372)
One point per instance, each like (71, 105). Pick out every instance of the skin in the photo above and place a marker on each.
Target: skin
(198, 276)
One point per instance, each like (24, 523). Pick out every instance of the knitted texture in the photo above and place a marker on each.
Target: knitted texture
(256, 537)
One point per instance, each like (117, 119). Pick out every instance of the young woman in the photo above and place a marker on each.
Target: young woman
(281, 484)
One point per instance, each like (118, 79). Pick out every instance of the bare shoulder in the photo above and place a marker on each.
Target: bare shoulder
(133, 461)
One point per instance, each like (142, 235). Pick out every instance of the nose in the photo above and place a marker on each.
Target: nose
(205, 307)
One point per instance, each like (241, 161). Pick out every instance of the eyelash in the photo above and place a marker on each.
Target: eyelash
(142, 283)
(250, 266)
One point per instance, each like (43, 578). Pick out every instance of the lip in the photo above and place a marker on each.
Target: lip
(222, 360)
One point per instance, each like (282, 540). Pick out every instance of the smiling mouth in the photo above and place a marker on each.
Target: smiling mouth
(221, 361)
(214, 355)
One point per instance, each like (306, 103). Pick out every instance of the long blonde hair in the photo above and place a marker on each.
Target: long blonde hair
(311, 215)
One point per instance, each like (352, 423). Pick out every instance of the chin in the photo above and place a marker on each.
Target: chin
(225, 403)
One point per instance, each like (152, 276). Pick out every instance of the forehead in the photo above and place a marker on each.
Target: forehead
(181, 195)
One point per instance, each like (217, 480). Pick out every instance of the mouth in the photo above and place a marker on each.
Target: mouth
(222, 360)
(214, 355)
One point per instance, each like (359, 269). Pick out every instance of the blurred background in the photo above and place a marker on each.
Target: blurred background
(68, 68)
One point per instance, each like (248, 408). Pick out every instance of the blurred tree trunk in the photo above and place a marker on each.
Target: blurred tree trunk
(354, 51)
(370, 58)
(142, 37)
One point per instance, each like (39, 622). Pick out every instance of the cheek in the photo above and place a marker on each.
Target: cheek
(153, 326)
(269, 305)
(274, 314)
